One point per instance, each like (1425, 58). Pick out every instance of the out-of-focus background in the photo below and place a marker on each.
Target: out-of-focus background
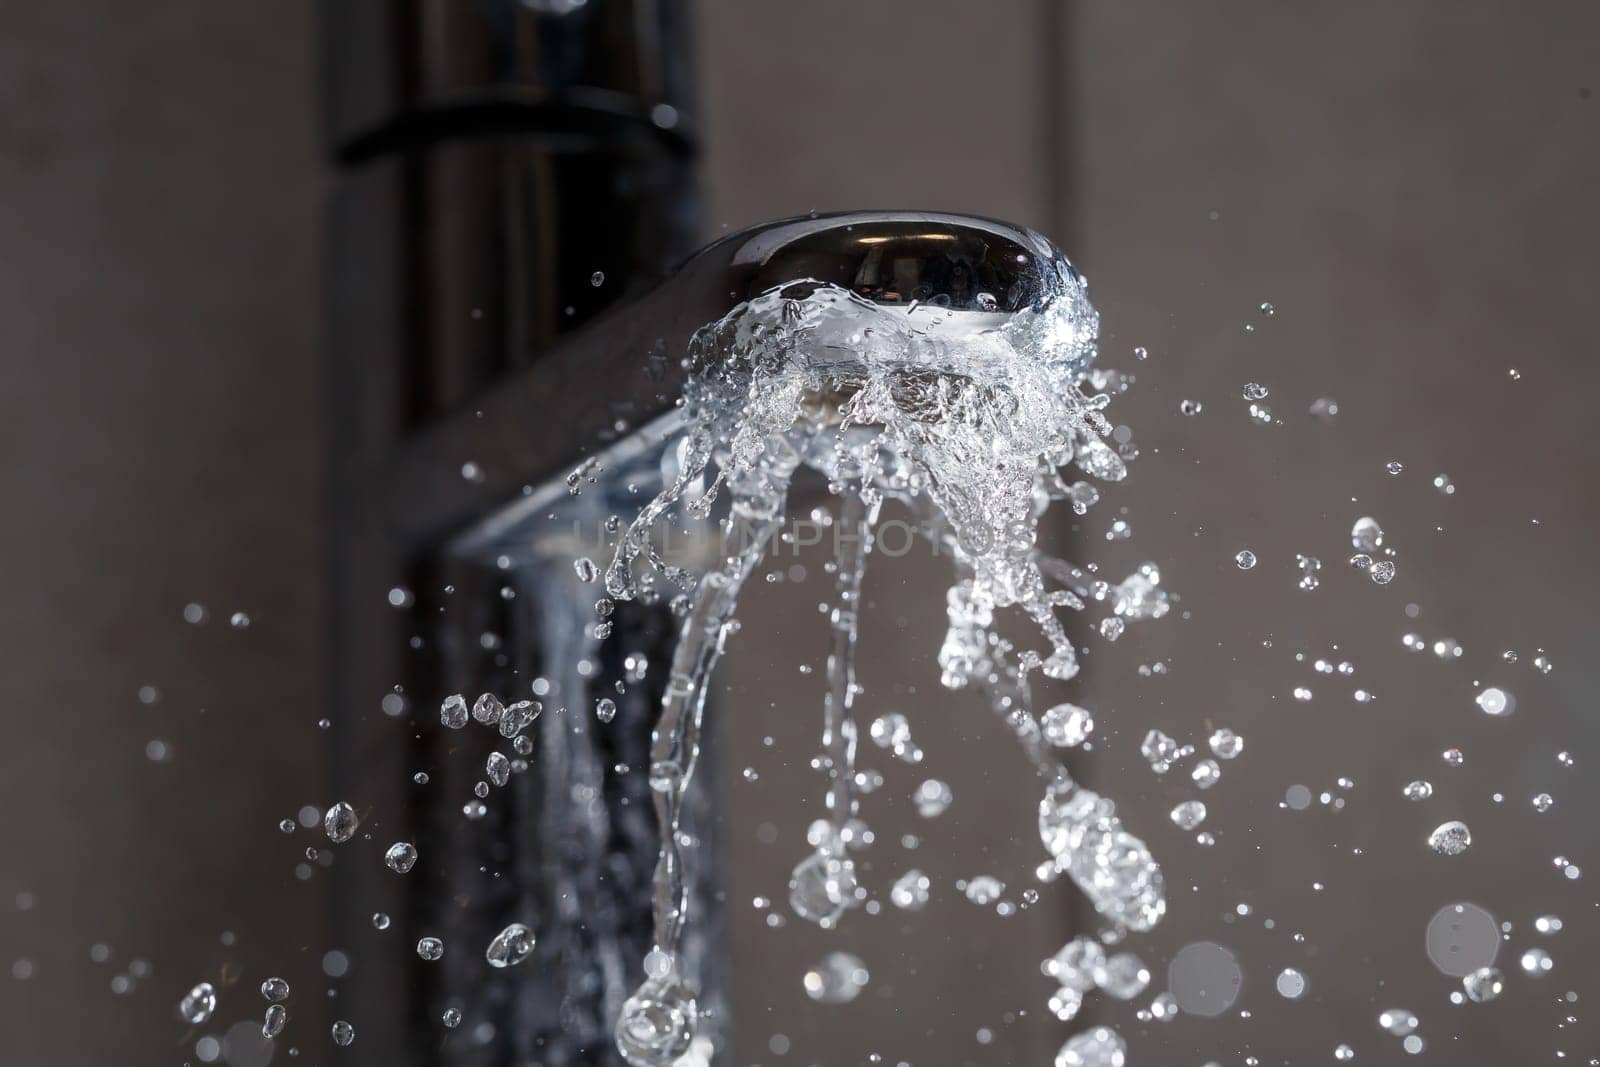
(1409, 187)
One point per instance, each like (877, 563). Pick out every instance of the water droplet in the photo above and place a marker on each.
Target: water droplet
(1065, 1003)
(1123, 976)
(1226, 744)
(1483, 985)
(1189, 814)
(1451, 838)
(453, 711)
(1076, 963)
(273, 1021)
(1443, 483)
(1537, 962)
(1344, 1053)
(1397, 1021)
(1245, 559)
(430, 949)
(1308, 567)
(198, 1004)
(1382, 572)
(597, 279)
(497, 768)
(510, 946)
(1100, 1047)
(1453, 757)
(585, 568)
(1067, 725)
(1366, 535)
(1394, 467)
(892, 731)
(1190, 407)
(1255, 391)
(984, 889)
(488, 710)
(821, 886)
(343, 1033)
(656, 1025)
(1159, 750)
(1141, 353)
(340, 823)
(275, 990)
(1206, 773)
(910, 891)
(838, 979)
(519, 717)
(1418, 790)
(401, 856)
(1495, 701)
(932, 798)
(1543, 802)
(605, 709)
(451, 1017)
(1291, 984)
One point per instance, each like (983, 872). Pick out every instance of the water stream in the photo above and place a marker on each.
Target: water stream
(967, 418)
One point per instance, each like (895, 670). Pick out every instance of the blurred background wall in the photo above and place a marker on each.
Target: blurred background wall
(1409, 186)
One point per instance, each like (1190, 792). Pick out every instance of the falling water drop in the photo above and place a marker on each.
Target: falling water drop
(1450, 839)
(1537, 962)
(1483, 985)
(510, 946)
(400, 857)
(910, 891)
(1418, 790)
(198, 1004)
(1291, 984)
(1189, 814)
(1496, 702)
(1099, 1047)
(340, 823)
(1067, 725)
(838, 979)
(453, 712)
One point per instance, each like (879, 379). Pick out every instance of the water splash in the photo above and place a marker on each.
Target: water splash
(967, 422)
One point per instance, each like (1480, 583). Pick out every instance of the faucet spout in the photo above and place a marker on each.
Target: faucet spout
(626, 368)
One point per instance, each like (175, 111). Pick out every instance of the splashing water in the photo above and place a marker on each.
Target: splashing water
(969, 428)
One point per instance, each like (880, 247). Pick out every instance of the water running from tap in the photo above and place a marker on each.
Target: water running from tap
(968, 422)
